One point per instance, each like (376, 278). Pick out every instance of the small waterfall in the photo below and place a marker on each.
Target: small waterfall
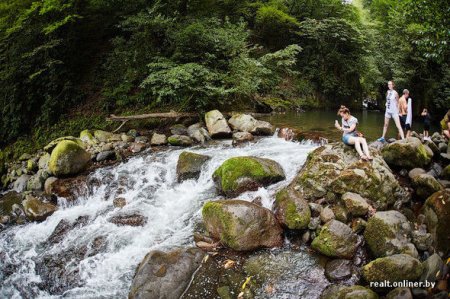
(90, 257)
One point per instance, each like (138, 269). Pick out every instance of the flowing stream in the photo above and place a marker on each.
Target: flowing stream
(91, 257)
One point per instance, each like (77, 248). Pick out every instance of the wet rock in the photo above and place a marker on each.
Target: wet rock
(263, 128)
(217, 124)
(241, 174)
(137, 147)
(241, 225)
(180, 140)
(119, 202)
(189, 165)
(425, 185)
(165, 275)
(409, 153)
(69, 188)
(286, 133)
(178, 129)
(389, 233)
(37, 210)
(48, 184)
(338, 269)
(355, 204)
(291, 210)
(431, 266)
(442, 147)
(158, 139)
(65, 226)
(416, 172)
(21, 183)
(400, 293)
(68, 158)
(394, 268)
(130, 220)
(198, 133)
(107, 155)
(8, 200)
(437, 213)
(241, 137)
(335, 169)
(348, 292)
(326, 215)
(336, 239)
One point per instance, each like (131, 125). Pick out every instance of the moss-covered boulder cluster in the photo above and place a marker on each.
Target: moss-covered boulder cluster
(408, 153)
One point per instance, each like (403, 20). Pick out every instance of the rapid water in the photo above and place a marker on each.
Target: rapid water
(95, 258)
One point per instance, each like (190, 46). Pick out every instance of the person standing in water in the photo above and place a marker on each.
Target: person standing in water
(391, 111)
(350, 135)
(405, 111)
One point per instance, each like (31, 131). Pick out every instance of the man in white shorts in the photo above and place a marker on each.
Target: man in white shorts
(391, 111)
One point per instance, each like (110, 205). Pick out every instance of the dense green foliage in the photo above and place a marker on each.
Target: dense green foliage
(99, 56)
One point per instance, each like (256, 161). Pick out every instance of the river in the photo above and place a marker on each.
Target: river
(94, 258)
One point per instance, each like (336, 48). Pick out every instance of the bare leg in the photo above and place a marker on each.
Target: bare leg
(365, 147)
(408, 133)
(447, 133)
(399, 126)
(385, 127)
(357, 145)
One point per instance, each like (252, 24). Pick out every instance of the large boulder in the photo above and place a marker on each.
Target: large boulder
(291, 210)
(394, 268)
(37, 210)
(355, 204)
(336, 239)
(409, 153)
(437, 213)
(335, 168)
(389, 233)
(242, 225)
(240, 174)
(247, 123)
(190, 165)
(68, 158)
(165, 274)
(49, 147)
(425, 185)
(217, 124)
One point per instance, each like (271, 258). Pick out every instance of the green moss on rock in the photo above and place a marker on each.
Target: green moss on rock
(393, 268)
(409, 153)
(291, 210)
(437, 213)
(68, 158)
(189, 165)
(240, 174)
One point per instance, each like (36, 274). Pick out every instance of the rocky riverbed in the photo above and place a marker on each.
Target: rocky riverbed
(275, 218)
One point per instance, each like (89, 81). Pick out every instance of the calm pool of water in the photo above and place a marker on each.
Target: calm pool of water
(322, 123)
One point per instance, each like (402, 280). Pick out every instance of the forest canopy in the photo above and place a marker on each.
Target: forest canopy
(115, 55)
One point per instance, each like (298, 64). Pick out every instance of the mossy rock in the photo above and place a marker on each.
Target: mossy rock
(336, 239)
(389, 233)
(36, 210)
(241, 225)
(437, 213)
(425, 185)
(241, 174)
(87, 137)
(190, 165)
(409, 153)
(291, 210)
(8, 200)
(446, 173)
(68, 158)
(32, 165)
(348, 292)
(103, 136)
(394, 268)
(49, 147)
(355, 204)
(180, 140)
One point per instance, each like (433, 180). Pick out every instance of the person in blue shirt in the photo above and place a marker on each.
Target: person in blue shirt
(350, 136)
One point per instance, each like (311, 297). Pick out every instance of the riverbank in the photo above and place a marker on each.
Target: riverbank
(233, 197)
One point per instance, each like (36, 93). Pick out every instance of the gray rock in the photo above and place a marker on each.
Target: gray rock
(137, 147)
(443, 147)
(165, 275)
(141, 139)
(431, 266)
(425, 185)
(400, 293)
(129, 220)
(394, 268)
(242, 122)
(416, 172)
(388, 233)
(43, 161)
(36, 182)
(108, 155)
(422, 239)
(314, 223)
(189, 165)
(217, 124)
(338, 269)
(241, 137)
(21, 183)
(409, 153)
(178, 129)
(326, 215)
(198, 133)
(355, 204)
(158, 139)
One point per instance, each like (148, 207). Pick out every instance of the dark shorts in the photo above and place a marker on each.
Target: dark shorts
(426, 126)
(403, 123)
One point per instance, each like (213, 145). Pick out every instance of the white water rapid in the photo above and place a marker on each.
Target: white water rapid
(95, 258)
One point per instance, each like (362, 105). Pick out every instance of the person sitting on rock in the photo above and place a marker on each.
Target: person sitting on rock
(349, 134)
(445, 124)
